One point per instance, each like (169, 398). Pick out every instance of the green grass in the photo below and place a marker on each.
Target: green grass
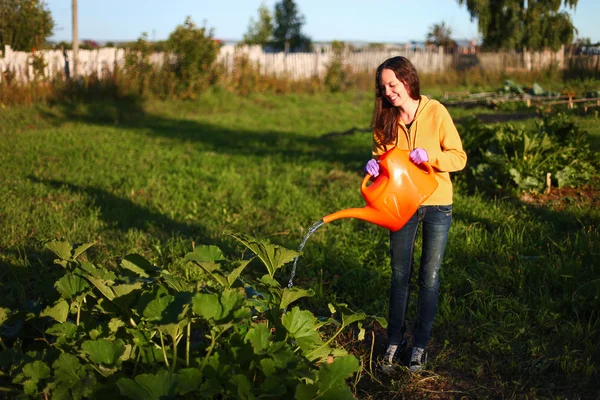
(518, 312)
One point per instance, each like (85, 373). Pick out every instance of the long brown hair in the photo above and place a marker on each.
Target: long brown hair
(385, 116)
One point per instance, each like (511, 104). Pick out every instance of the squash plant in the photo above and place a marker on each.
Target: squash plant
(139, 332)
(510, 159)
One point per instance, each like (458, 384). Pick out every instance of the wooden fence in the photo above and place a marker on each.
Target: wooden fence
(294, 65)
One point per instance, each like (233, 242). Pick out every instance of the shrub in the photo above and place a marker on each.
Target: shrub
(508, 159)
(195, 52)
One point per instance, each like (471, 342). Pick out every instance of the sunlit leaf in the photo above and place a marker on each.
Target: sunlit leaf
(68, 370)
(382, 321)
(102, 286)
(176, 283)
(301, 326)
(349, 316)
(36, 370)
(205, 254)
(293, 294)
(71, 285)
(66, 329)
(273, 256)
(207, 306)
(259, 336)
(80, 249)
(60, 248)
(59, 311)
(332, 378)
(98, 272)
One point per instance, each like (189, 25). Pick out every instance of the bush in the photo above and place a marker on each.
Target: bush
(195, 53)
(504, 159)
(336, 75)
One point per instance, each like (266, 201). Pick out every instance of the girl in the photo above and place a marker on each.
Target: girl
(410, 121)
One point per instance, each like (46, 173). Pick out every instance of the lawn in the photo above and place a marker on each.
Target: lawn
(518, 312)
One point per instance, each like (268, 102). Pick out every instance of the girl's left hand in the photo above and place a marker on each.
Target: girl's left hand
(418, 156)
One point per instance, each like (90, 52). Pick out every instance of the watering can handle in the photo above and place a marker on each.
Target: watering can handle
(429, 168)
(363, 186)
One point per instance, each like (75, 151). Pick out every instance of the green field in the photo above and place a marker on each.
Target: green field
(519, 308)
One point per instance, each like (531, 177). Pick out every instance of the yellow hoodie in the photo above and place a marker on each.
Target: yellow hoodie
(433, 130)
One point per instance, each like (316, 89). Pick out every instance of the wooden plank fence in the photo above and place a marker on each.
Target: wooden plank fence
(293, 65)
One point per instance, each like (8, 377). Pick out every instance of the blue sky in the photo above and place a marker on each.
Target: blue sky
(346, 20)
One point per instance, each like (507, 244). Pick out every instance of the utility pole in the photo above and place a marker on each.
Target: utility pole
(75, 38)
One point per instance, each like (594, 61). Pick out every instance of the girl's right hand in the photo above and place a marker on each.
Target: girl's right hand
(372, 168)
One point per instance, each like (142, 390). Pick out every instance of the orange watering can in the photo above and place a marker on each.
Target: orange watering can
(395, 195)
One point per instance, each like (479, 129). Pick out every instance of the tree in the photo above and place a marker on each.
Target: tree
(288, 25)
(259, 32)
(24, 24)
(440, 35)
(518, 24)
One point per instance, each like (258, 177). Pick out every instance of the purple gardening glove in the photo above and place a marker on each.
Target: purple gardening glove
(372, 168)
(418, 156)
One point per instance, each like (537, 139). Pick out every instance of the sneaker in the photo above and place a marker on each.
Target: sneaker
(392, 356)
(418, 359)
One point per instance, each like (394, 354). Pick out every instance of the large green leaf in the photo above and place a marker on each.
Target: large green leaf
(60, 248)
(59, 311)
(98, 272)
(31, 375)
(103, 351)
(273, 256)
(80, 249)
(137, 264)
(176, 283)
(207, 306)
(71, 285)
(293, 294)
(126, 294)
(205, 253)
(66, 329)
(103, 286)
(219, 307)
(72, 379)
(36, 370)
(162, 386)
(281, 353)
(260, 337)
(165, 308)
(158, 308)
(332, 378)
(301, 327)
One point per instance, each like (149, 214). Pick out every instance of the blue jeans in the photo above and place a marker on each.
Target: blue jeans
(436, 224)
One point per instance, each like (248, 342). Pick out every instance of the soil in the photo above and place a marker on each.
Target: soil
(557, 199)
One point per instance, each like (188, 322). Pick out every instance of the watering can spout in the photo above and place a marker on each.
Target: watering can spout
(368, 214)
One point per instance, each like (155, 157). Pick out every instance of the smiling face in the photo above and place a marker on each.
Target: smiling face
(393, 89)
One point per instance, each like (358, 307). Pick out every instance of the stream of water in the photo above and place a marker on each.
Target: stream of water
(311, 230)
